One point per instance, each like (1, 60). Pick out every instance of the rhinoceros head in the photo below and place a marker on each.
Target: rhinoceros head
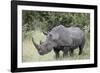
(46, 46)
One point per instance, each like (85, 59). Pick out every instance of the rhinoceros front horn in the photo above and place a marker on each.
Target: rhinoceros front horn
(36, 45)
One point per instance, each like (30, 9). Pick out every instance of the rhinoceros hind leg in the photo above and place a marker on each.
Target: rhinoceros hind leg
(81, 49)
(71, 51)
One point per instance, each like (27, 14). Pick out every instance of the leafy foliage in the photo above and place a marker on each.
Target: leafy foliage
(46, 20)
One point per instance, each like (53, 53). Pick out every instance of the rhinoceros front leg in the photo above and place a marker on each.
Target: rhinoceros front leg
(65, 51)
(56, 50)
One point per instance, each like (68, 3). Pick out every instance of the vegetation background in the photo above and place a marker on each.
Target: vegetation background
(35, 22)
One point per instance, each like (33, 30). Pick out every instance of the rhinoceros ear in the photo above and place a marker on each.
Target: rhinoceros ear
(55, 36)
(45, 33)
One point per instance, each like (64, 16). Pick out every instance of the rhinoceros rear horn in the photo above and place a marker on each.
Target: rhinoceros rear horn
(41, 42)
(36, 45)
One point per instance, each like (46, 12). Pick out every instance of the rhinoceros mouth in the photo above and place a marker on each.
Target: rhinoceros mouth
(41, 53)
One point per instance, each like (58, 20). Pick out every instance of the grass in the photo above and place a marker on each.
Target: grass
(30, 54)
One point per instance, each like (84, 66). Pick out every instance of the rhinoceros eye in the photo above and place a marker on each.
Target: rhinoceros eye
(50, 35)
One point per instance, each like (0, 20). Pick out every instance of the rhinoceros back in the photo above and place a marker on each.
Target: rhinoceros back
(68, 35)
(77, 36)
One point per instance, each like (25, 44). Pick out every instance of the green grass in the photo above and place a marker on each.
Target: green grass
(30, 54)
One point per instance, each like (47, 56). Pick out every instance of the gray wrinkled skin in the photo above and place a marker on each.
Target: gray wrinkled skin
(62, 38)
